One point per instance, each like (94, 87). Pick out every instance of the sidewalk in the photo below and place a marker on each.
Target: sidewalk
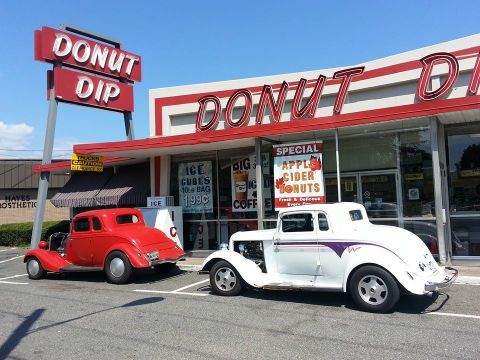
(466, 274)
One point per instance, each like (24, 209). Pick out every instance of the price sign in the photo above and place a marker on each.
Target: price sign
(195, 187)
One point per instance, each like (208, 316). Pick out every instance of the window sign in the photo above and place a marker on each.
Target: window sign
(195, 187)
(244, 184)
(298, 174)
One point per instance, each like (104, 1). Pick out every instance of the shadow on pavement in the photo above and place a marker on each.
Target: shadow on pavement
(139, 302)
(19, 333)
(141, 276)
(408, 304)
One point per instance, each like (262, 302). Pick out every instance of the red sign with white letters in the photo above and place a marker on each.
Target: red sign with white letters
(91, 90)
(52, 45)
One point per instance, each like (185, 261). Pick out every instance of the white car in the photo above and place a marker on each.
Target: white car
(329, 247)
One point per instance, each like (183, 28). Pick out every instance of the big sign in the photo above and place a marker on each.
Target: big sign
(54, 45)
(91, 73)
(298, 174)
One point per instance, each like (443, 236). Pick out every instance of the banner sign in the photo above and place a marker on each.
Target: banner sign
(298, 174)
(53, 45)
(92, 90)
(86, 163)
(244, 184)
(195, 187)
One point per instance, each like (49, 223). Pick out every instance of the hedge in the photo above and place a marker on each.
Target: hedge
(20, 234)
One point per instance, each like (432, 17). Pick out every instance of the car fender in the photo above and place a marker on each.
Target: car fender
(248, 270)
(388, 260)
(136, 258)
(50, 260)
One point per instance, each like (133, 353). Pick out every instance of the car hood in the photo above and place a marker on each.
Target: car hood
(253, 235)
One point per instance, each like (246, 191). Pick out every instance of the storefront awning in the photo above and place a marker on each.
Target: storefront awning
(129, 186)
(81, 189)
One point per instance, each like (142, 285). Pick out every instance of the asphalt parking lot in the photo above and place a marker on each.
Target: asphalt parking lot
(175, 316)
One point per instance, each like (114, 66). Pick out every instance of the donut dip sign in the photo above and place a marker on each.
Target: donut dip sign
(298, 174)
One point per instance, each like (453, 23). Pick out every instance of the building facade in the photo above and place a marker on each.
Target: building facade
(401, 135)
(18, 192)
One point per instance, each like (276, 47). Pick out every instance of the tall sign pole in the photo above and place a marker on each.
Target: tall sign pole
(47, 159)
(105, 82)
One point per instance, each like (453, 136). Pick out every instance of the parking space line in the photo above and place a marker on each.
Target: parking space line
(13, 276)
(186, 287)
(455, 315)
(13, 282)
(16, 257)
(169, 292)
(14, 248)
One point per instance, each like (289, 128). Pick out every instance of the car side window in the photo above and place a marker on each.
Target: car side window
(297, 222)
(322, 222)
(97, 225)
(127, 219)
(81, 224)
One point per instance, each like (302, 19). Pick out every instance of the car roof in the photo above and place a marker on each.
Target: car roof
(109, 212)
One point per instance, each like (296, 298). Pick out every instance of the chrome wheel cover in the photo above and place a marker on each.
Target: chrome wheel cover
(117, 267)
(225, 279)
(373, 290)
(33, 267)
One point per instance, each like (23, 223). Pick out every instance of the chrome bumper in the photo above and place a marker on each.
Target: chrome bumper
(163, 261)
(452, 275)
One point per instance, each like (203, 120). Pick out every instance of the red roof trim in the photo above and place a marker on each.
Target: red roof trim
(289, 127)
(378, 72)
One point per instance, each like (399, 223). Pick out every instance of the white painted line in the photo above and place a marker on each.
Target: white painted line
(13, 283)
(14, 248)
(169, 292)
(14, 276)
(186, 287)
(455, 315)
(466, 283)
(16, 257)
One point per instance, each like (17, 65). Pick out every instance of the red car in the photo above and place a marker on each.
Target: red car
(112, 240)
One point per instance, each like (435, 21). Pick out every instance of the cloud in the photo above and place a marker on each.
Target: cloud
(16, 142)
(15, 136)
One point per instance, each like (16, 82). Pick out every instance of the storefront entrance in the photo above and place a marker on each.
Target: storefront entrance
(378, 191)
(463, 145)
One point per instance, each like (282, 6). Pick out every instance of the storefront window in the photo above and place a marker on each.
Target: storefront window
(464, 190)
(417, 174)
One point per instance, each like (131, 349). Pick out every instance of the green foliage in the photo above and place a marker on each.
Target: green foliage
(20, 234)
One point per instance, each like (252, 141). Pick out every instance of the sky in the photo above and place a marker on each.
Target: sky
(189, 42)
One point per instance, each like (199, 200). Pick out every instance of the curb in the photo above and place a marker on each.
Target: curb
(187, 267)
(468, 280)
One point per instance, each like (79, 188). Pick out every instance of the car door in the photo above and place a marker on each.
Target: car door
(79, 250)
(331, 250)
(295, 244)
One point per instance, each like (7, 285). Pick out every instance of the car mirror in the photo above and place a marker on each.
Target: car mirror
(42, 245)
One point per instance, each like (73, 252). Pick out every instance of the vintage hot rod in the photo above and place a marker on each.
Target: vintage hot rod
(113, 240)
(329, 247)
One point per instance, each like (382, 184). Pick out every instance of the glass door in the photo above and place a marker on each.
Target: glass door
(379, 194)
(348, 186)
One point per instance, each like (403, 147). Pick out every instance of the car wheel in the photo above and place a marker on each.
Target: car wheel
(165, 268)
(373, 289)
(35, 270)
(225, 279)
(118, 268)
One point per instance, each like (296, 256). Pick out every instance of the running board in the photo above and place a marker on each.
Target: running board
(78, 268)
